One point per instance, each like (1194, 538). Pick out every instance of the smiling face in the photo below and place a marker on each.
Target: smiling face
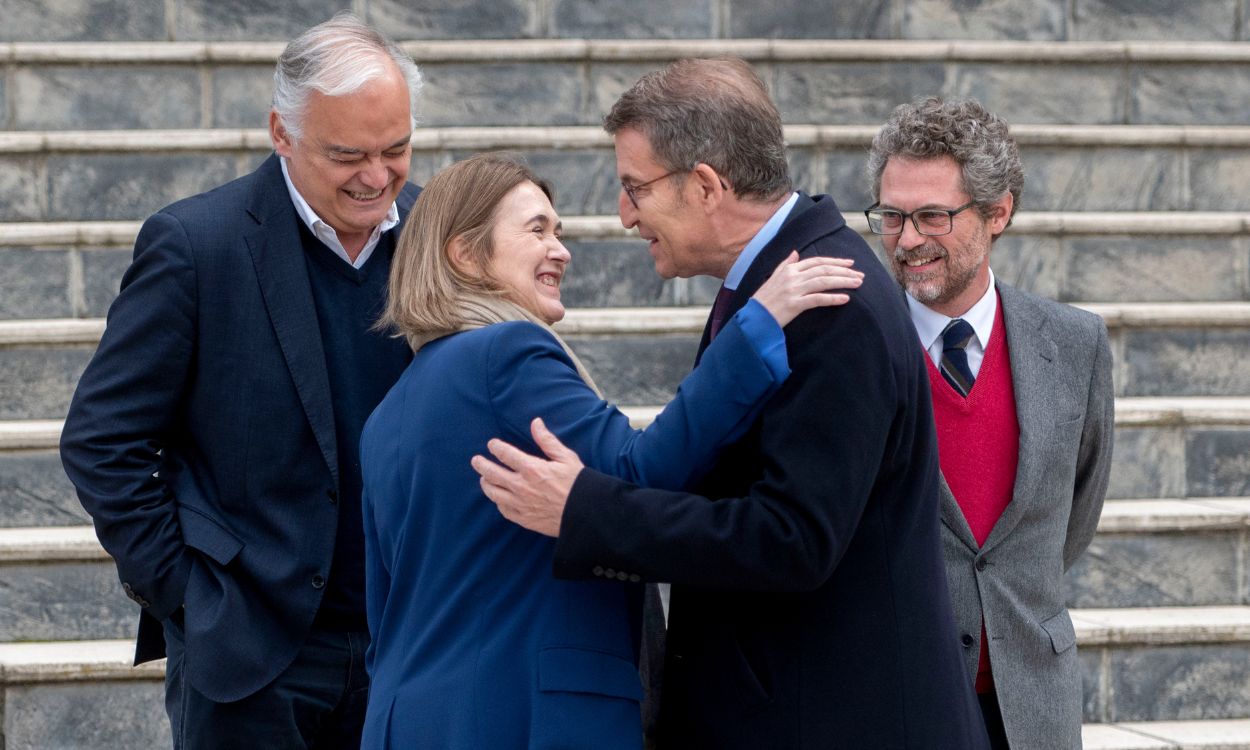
(351, 159)
(527, 257)
(671, 225)
(950, 272)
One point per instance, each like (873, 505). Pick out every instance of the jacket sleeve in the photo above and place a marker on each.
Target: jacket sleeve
(823, 440)
(531, 376)
(124, 409)
(1093, 467)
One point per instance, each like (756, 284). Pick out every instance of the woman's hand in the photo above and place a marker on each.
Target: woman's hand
(798, 285)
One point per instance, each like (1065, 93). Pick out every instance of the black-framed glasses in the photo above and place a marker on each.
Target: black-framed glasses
(931, 222)
(632, 190)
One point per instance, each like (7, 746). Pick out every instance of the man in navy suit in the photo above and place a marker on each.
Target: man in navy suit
(214, 436)
(809, 609)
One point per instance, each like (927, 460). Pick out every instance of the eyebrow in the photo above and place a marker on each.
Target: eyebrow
(925, 207)
(545, 219)
(336, 149)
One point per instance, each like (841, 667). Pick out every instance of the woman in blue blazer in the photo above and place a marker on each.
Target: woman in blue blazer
(475, 644)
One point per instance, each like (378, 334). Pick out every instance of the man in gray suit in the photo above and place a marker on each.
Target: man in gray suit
(1023, 405)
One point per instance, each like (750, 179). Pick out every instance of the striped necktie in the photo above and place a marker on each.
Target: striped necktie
(954, 366)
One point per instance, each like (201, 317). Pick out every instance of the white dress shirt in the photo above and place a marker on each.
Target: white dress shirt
(930, 324)
(326, 233)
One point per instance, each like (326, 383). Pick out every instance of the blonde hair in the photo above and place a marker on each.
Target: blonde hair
(426, 289)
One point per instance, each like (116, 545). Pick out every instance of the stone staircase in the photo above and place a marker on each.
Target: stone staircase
(1135, 207)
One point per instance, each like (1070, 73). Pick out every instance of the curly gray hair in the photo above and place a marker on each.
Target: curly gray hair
(978, 140)
(336, 58)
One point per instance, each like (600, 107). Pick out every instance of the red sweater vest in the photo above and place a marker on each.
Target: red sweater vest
(979, 447)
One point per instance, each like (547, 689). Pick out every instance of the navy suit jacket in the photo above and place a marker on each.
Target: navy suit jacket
(809, 607)
(475, 644)
(201, 436)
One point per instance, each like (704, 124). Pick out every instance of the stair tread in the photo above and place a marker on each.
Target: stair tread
(1149, 735)
(495, 50)
(592, 136)
(680, 319)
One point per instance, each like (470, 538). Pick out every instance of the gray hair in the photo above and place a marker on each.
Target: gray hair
(975, 138)
(336, 58)
(716, 112)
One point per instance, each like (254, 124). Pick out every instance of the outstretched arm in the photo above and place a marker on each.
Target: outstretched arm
(530, 491)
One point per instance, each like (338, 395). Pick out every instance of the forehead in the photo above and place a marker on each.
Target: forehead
(634, 156)
(920, 181)
(374, 117)
(524, 202)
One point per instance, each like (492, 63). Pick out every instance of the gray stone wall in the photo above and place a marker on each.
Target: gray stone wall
(1037, 20)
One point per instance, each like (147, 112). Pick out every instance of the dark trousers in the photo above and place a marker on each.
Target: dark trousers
(993, 720)
(318, 703)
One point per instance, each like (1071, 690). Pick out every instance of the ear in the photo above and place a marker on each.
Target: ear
(283, 143)
(1000, 214)
(711, 188)
(460, 257)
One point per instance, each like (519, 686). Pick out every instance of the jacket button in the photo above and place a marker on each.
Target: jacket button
(622, 576)
(981, 564)
(634, 578)
(333, 495)
(598, 570)
(967, 640)
(609, 573)
(318, 582)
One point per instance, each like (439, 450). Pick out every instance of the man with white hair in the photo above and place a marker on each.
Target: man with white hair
(213, 437)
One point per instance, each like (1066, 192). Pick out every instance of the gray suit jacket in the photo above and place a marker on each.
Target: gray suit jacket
(1061, 371)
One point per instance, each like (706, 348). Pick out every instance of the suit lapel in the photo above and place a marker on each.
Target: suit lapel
(801, 228)
(278, 257)
(1033, 354)
(953, 515)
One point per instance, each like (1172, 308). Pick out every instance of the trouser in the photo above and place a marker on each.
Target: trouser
(317, 703)
(993, 717)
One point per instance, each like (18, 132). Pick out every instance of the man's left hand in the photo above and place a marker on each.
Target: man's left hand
(528, 490)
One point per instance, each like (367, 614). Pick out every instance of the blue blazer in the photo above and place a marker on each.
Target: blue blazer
(201, 436)
(475, 644)
(809, 602)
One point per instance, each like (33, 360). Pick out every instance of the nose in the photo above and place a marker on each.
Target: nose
(374, 174)
(559, 253)
(909, 237)
(625, 208)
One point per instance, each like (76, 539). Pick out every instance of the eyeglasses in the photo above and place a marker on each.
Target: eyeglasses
(632, 190)
(931, 222)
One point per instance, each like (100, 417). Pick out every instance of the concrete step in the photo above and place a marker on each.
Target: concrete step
(1180, 664)
(573, 81)
(1165, 552)
(81, 694)
(1217, 734)
(1148, 553)
(640, 354)
(88, 175)
(61, 586)
(1165, 447)
(1165, 663)
(72, 269)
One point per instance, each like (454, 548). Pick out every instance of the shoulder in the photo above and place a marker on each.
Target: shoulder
(498, 342)
(1060, 320)
(208, 207)
(407, 196)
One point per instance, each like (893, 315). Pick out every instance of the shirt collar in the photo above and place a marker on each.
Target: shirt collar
(930, 323)
(324, 232)
(759, 242)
